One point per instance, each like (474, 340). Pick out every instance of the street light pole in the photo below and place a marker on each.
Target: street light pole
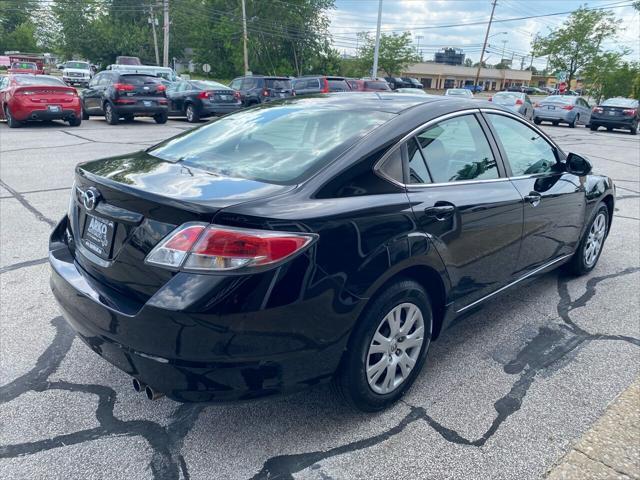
(165, 53)
(244, 37)
(376, 49)
(484, 45)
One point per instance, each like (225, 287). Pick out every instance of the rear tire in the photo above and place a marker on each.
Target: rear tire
(85, 115)
(609, 129)
(594, 128)
(634, 128)
(555, 124)
(590, 247)
(192, 114)
(537, 121)
(110, 114)
(128, 118)
(161, 117)
(75, 122)
(11, 121)
(357, 380)
(575, 122)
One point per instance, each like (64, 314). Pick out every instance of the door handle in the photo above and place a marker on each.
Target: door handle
(440, 211)
(533, 198)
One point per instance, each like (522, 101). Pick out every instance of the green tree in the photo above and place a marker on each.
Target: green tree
(468, 62)
(17, 30)
(395, 53)
(575, 43)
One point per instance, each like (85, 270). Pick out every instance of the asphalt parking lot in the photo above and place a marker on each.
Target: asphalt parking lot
(504, 394)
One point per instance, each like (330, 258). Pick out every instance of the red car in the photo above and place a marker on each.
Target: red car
(38, 97)
(370, 85)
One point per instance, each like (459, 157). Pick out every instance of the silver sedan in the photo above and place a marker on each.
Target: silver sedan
(516, 102)
(563, 109)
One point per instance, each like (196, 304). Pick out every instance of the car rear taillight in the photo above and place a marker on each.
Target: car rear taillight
(237, 96)
(161, 88)
(629, 111)
(568, 107)
(195, 246)
(491, 99)
(597, 110)
(325, 88)
(25, 92)
(123, 87)
(519, 102)
(265, 93)
(70, 92)
(203, 95)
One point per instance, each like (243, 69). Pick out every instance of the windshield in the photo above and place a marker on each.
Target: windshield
(79, 65)
(138, 80)
(620, 102)
(38, 80)
(166, 74)
(277, 143)
(506, 98)
(560, 99)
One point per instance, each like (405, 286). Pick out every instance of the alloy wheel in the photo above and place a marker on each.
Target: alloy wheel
(594, 242)
(108, 113)
(395, 348)
(190, 113)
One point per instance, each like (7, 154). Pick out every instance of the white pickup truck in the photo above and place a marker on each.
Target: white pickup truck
(77, 73)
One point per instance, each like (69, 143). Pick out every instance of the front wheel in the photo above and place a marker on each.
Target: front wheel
(85, 115)
(586, 256)
(555, 124)
(161, 117)
(634, 128)
(537, 121)
(387, 348)
(594, 128)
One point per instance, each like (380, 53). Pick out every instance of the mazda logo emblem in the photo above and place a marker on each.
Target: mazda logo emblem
(90, 198)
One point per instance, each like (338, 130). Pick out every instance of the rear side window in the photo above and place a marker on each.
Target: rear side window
(456, 150)
(527, 152)
(418, 172)
(338, 85)
(283, 144)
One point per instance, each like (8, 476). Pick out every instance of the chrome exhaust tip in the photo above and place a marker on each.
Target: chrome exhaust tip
(138, 386)
(152, 394)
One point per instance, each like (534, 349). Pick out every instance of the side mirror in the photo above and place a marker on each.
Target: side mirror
(578, 165)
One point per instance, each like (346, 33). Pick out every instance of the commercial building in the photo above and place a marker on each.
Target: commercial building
(439, 76)
(450, 56)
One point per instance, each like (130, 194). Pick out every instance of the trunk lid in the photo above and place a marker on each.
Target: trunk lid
(47, 94)
(137, 200)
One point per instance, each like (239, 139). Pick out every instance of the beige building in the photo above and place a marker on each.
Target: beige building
(439, 76)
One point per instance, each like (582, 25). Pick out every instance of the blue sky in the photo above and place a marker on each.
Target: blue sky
(352, 16)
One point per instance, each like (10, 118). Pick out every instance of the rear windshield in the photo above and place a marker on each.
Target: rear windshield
(78, 65)
(139, 79)
(24, 66)
(38, 80)
(377, 85)
(620, 102)
(208, 85)
(506, 98)
(281, 144)
(277, 83)
(338, 85)
(560, 99)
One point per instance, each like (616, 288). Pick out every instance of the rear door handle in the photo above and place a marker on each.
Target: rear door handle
(440, 211)
(533, 198)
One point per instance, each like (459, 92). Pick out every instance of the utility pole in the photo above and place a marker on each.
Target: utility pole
(484, 45)
(153, 21)
(376, 50)
(419, 37)
(522, 63)
(165, 52)
(504, 44)
(244, 37)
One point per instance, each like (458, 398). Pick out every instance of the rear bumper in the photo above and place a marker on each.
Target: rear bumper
(616, 122)
(140, 110)
(47, 115)
(76, 80)
(197, 354)
(558, 115)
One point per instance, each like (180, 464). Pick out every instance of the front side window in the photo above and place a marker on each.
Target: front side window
(281, 144)
(528, 153)
(457, 150)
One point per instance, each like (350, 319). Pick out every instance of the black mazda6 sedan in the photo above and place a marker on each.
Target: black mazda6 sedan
(314, 239)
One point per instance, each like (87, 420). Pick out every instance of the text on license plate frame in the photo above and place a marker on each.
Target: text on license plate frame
(98, 234)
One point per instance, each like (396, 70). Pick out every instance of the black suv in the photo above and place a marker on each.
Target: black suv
(397, 82)
(412, 82)
(255, 89)
(320, 84)
(125, 95)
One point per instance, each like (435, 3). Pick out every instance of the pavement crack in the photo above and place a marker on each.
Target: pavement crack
(25, 203)
(19, 265)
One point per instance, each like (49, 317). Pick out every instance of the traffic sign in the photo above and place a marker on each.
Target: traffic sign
(561, 76)
(206, 68)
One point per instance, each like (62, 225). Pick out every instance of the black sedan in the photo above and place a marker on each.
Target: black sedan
(198, 99)
(617, 112)
(316, 239)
